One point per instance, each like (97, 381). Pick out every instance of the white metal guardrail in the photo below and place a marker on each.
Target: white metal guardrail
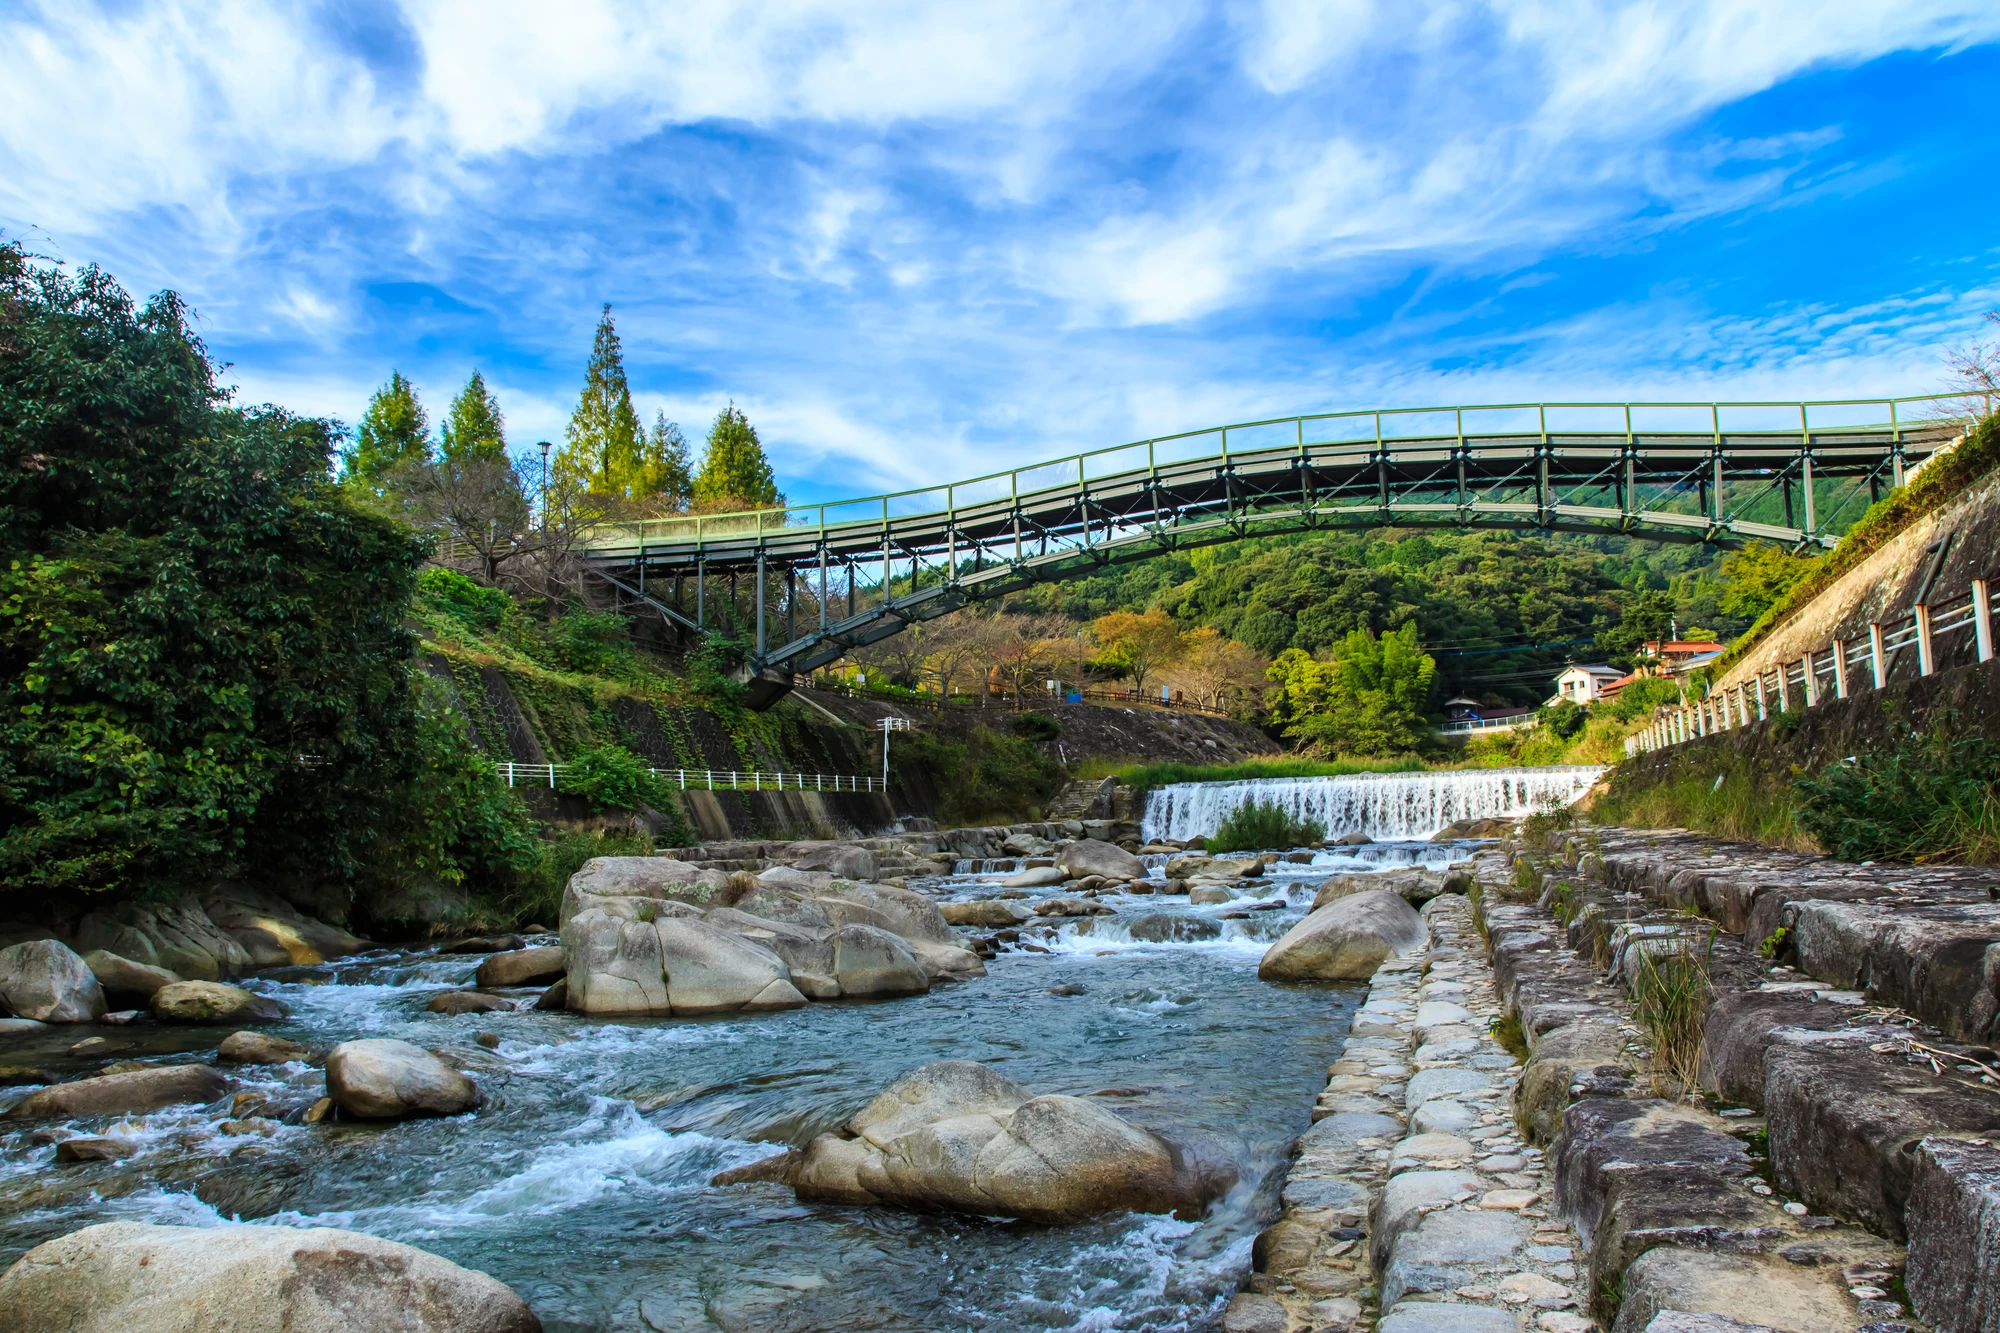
(708, 779)
(1835, 670)
(1487, 724)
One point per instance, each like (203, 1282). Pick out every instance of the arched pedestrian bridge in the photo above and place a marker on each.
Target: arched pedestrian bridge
(807, 584)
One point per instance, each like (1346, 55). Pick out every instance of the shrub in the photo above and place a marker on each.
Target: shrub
(460, 597)
(1257, 825)
(1038, 726)
(1670, 1002)
(611, 777)
(1565, 718)
(538, 897)
(1930, 798)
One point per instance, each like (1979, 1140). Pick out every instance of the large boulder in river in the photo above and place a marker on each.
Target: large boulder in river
(273, 932)
(843, 859)
(133, 1277)
(1089, 856)
(1346, 939)
(521, 967)
(135, 1092)
(213, 1002)
(380, 1079)
(46, 981)
(958, 1136)
(986, 912)
(660, 878)
(177, 935)
(673, 963)
(122, 976)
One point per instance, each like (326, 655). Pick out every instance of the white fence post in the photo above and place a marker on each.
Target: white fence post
(1982, 619)
(1840, 668)
(1812, 678)
(1875, 653)
(1784, 687)
(1926, 658)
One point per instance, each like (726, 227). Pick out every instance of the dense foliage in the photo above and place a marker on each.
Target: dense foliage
(1935, 796)
(200, 637)
(982, 776)
(1370, 697)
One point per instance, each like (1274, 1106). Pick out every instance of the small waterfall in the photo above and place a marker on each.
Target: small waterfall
(1381, 805)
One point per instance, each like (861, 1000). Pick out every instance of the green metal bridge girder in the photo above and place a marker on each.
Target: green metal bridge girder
(855, 572)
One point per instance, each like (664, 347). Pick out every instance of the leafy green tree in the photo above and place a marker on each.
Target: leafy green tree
(602, 446)
(734, 473)
(203, 660)
(1757, 578)
(1648, 620)
(394, 433)
(473, 430)
(1370, 699)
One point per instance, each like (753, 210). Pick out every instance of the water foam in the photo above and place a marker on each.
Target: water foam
(1381, 805)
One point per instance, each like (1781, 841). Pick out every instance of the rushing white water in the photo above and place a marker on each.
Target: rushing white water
(1381, 805)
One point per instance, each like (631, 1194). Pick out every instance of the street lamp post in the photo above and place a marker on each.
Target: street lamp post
(890, 724)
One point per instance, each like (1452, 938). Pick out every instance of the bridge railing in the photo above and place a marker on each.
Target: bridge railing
(1834, 670)
(707, 779)
(1372, 428)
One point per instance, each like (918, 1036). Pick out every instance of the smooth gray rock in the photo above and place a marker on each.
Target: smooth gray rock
(1248, 1313)
(1447, 1081)
(1752, 1289)
(1443, 1116)
(134, 1092)
(521, 967)
(256, 1048)
(178, 935)
(1677, 1321)
(658, 878)
(131, 1277)
(45, 980)
(841, 859)
(1402, 1202)
(957, 1136)
(1035, 877)
(1070, 907)
(122, 976)
(1437, 1317)
(1172, 927)
(1346, 1127)
(1089, 856)
(379, 1079)
(869, 961)
(1449, 1249)
(1346, 939)
(989, 913)
(17, 1027)
(1954, 1225)
(453, 1002)
(213, 1002)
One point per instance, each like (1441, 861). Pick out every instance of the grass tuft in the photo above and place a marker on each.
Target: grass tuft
(1261, 825)
(1670, 1001)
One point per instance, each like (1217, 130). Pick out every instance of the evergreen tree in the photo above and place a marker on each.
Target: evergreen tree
(394, 431)
(668, 472)
(473, 429)
(602, 447)
(734, 472)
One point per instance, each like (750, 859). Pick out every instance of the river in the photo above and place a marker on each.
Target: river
(582, 1182)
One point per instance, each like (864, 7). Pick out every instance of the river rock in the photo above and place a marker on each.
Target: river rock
(1474, 828)
(1035, 877)
(256, 1048)
(1346, 939)
(986, 912)
(82, 1149)
(1186, 867)
(467, 1002)
(177, 935)
(556, 997)
(1207, 895)
(869, 961)
(122, 976)
(273, 932)
(1354, 838)
(46, 981)
(482, 944)
(1070, 907)
(132, 1277)
(213, 1002)
(844, 860)
(1090, 856)
(958, 1136)
(1236, 867)
(1027, 844)
(380, 1079)
(660, 878)
(1173, 927)
(134, 1092)
(521, 967)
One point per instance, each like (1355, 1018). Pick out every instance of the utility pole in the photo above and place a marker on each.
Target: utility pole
(890, 724)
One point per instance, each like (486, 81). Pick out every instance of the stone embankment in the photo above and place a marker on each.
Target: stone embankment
(1413, 1199)
(1829, 1163)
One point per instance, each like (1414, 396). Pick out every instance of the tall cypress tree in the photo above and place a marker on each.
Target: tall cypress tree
(668, 473)
(393, 431)
(602, 446)
(734, 472)
(473, 430)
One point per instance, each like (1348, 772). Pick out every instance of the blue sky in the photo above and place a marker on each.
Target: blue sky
(924, 241)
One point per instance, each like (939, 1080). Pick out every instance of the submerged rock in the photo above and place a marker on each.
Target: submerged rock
(46, 981)
(137, 1278)
(134, 1092)
(1070, 907)
(379, 1079)
(255, 1048)
(1345, 939)
(1172, 927)
(957, 1136)
(92, 1150)
(468, 1002)
(213, 1002)
(1037, 877)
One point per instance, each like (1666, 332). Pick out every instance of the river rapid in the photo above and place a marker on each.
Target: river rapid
(582, 1182)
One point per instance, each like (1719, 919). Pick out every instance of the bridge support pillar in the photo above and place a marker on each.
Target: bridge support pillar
(766, 686)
